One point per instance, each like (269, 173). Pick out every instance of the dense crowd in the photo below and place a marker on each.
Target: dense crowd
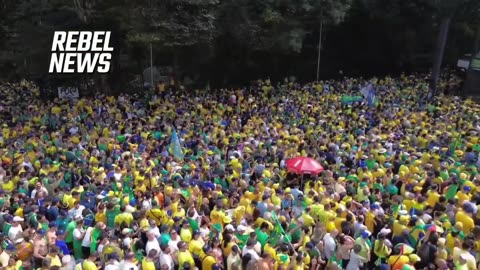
(184, 180)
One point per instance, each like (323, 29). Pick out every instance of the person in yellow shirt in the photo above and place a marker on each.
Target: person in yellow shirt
(208, 261)
(184, 256)
(53, 257)
(124, 217)
(432, 196)
(299, 263)
(464, 216)
(464, 195)
(89, 263)
(186, 232)
(101, 215)
(148, 263)
(195, 246)
(144, 222)
(339, 219)
(400, 225)
(398, 260)
(217, 214)
(155, 213)
(381, 249)
(14, 264)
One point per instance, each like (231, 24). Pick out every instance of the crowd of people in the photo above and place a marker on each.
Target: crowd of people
(197, 180)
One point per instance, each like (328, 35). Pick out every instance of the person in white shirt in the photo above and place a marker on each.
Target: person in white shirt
(5, 255)
(250, 249)
(38, 188)
(174, 240)
(127, 238)
(68, 263)
(165, 258)
(329, 244)
(234, 258)
(112, 263)
(204, 230)
(87, 241)
(356, 261)
(152, 243)
(129, 262)
(146, 204)
(16, 228)
(73, 130)
(462, 254)
(153, 228)
(76, 211)
(28, 164)
(78, 233)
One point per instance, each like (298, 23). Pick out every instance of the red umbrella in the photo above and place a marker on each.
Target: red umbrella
(304, 165)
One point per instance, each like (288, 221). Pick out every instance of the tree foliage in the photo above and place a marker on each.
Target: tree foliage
(174, 23)
(234, 40)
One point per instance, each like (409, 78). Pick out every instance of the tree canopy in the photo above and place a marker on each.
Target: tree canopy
(231, 41)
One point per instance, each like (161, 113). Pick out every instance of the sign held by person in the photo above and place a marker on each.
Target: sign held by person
(81, 52)
(68, 92)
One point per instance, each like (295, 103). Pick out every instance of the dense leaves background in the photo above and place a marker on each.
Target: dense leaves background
(228, 42)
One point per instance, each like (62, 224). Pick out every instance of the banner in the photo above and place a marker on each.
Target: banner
(68, 92)
(350, 99)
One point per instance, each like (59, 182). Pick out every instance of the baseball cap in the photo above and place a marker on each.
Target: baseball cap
(241, 228)
(206, 248)
(9, 218)
(112, 256)
(230, 227)
(11, 247)
(366, 234)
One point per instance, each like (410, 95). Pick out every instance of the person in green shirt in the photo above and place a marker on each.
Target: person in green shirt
(241, 236)
(164, 234)
(262, 236)
(193, 223)
(7, 225)
(112, 212)
(295, 232)
(69, 234)
(97, 231)
(371, 162)
(78, 235)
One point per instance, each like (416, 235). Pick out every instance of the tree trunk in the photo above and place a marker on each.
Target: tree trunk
(476, 45)
(175, 74)
(438, 57)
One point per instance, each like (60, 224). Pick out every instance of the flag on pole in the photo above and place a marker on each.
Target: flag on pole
(278, 232)
(175, 147)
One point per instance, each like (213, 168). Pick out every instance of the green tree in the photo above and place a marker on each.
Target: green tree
(279, 25)
(31, 32)
(446, 11)
(174, 26)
